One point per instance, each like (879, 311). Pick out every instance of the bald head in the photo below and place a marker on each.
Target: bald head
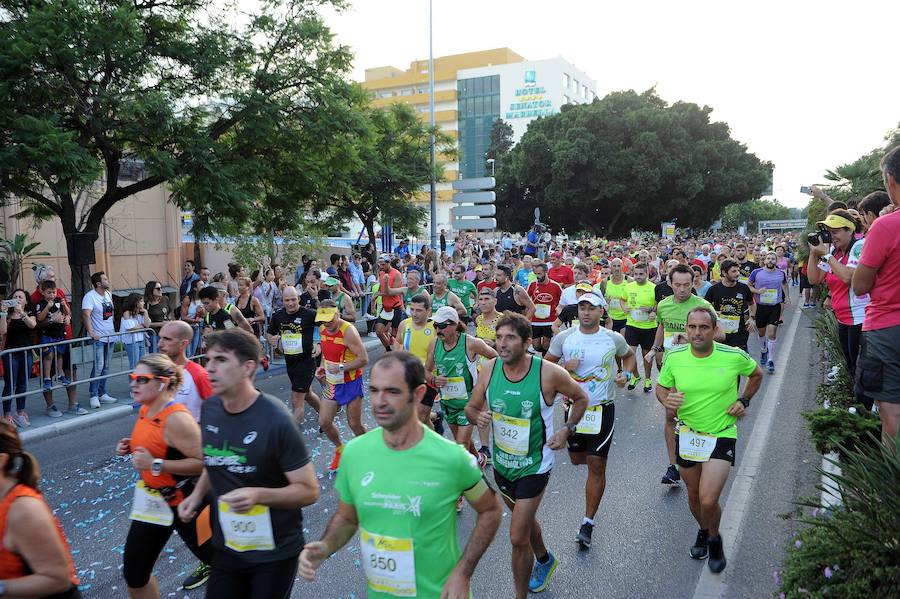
(177, 329)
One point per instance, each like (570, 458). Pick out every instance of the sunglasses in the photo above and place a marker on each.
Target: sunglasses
(443, 325)
(143, 379)
(159, 288)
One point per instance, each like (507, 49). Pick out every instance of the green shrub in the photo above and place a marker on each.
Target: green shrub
(840, 393)
(853, 551)
(837, 429)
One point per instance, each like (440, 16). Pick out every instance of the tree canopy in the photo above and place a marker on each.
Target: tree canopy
(626, 161)
(753, 211)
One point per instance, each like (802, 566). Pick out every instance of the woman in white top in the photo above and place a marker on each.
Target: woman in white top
(192, 313)
(134, 318)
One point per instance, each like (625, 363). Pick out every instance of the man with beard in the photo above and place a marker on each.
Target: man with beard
(546, 295)
(733, 303)
(770, 287)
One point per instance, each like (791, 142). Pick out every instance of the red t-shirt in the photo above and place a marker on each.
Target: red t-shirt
(488, 284)
(562, 275)
(881, 252)
(394, 279)
(546, 298)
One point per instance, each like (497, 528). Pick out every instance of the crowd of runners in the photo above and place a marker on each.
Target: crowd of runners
(519, 347)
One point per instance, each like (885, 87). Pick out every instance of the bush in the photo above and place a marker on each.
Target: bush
(852, 552)
(837, 429)
(840, 393)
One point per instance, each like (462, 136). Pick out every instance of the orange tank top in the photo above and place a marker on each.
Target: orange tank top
(11, 564)
(148, 433)
(335, 350)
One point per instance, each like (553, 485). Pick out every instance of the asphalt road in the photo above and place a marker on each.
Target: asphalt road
(641, 540)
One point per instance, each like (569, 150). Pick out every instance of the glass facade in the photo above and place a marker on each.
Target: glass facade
(478, 104)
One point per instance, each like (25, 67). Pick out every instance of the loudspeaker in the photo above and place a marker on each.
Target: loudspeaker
(81, 249)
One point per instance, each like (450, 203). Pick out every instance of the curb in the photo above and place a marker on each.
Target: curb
(77, 422)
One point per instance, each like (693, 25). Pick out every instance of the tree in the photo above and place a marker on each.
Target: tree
(627, 161)
(857, 179)
(15, 252)
(285, 248)
(752, 212)
(501, 144)
(187, 89)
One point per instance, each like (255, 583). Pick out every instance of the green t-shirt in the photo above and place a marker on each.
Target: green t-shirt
(406, 505)
(462, 290)
(673, 316)
(710, 386)
(615, 298)
(640, 295)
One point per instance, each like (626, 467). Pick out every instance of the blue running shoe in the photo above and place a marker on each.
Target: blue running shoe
(541, 573)
(771, 366)
(763, 358)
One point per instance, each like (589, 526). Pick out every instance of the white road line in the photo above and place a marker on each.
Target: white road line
(715, 586)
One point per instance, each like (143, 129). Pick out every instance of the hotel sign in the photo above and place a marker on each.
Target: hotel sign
(529, 101)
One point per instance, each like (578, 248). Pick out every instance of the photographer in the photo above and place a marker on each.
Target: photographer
(834, 253)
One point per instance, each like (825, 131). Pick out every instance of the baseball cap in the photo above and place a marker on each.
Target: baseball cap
(325, 314)
(384, 258)
(445, 314)
(591, 298)
(835, 221)
(329, 281)
(584, 287)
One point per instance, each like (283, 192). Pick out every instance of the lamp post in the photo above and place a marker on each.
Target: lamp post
(491, 161)
(431, 123)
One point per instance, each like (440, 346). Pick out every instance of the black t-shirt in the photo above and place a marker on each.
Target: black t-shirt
(221, 320)
(48, 327)
(254, 448)
(746, 268)
(307, 301)
(302, 322)
(18, 334)
(568, 314)
(158, 312)
(731, 301)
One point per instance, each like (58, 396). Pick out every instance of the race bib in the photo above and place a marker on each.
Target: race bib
(332, 378)
(511, 434)
(247, 532)
(455, 388)
(542, 311)
(292, 343)
(150, 507)
(729, 324)
(769, 297)
(389, 562)
(591, 422)
(639, 316)
(669, 340)
(694, 446)
(615, 304)
(228, 324)
(744, 280)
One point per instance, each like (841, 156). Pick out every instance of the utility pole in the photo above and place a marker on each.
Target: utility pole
(431, 122)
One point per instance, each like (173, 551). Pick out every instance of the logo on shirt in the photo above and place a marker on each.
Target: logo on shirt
(250, 438)
(498, 406)
(212, 429)
(397, 504)
(527, 406)
(367, 479)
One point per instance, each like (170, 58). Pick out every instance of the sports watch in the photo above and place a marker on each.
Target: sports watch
(156, 467)
(744, 402)
(571, 427)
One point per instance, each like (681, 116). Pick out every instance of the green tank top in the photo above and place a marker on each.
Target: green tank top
(522, 423)
(454, 364)
(615, 297)
(439, 302)
(408, 295)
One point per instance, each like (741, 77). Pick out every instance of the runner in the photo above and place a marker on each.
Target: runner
(442, 296)
(614, 292)
(413, 288)
(640, 324)
(545, 294)
(415, 335)
(220, 316)
(587, 351)
(488, 317)
(706, 376)
(568, 316)
(464, 290)
(256, 488)
(770, 287)
(672, 313)
(745, 265)
(402, 557)
(343, 358)
(341, 299)
(733, 303)
(390, 290)
(35, 559)
(450, 367)
(294, 327)
(511, 297)
(165, 449)
(515, 394)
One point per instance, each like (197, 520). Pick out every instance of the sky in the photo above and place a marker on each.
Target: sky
(806, 85)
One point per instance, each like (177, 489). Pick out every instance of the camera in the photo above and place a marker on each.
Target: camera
(820, 236)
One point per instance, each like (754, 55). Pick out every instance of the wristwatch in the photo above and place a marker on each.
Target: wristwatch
(659, 348)
(341, 367)
(826, 258)
(156, 467)
(744, 402)
(571, 427)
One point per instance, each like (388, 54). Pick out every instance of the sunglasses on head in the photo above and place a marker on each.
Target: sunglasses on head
(143, 379)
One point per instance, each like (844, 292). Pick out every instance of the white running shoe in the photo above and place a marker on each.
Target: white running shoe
(105, 398)
(95, 402)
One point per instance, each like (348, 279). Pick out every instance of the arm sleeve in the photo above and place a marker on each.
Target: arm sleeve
(747, 365)
(874, 252)
(855, 253)
(273, 326)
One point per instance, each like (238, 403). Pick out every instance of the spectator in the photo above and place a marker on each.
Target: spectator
(17, 329)
(878, 274)
(344, 276)
(267, 292)
(52, 315)
(357, 275)
(157, 306)
(871, 206)
(204, 275)
(134, 318)
(192, 313)
(334, 260)
(189, 277)
(97, 316)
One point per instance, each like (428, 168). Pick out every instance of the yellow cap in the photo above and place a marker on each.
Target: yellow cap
(325, 314)
(834, 221)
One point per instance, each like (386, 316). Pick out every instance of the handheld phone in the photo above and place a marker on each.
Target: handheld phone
(10, 303)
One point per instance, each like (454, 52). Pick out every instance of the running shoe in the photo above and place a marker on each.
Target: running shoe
(633, 383)
(486, 452)
(717, 561)
(48, 385)
(336, 462)
(53, 411)
(584, 535)
(648, 385)
(76, 410)
(265, 363)
(771, 367)
(700, 550)
(763, 357)
(197, 578)
(106, 398)
(21, 420)
(64, 380)
(541, 573)
(671, 477)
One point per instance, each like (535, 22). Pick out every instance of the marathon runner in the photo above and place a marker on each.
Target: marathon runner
(415, 335)
(587, 352)
(515, 394)
(165, 449)
(464, 290)
(401, 556)
(343, 358)
(546, 295)
(733, 303)
(294, 327)
(341, 300)
(745, 265)
(442, 296)
(488, 317)
(568, 316)
(770, 287)
(390, 291)
(511, 297)
(219, 316)
(257, 473)
(706, 375)
(672, 313)
(616, 297)
(640, 324)
(413, 288)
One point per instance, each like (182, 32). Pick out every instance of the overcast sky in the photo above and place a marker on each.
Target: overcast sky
(807, 85)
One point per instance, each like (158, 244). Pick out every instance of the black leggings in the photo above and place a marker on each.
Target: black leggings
(849, 337)
(145, 541)
(234, 579)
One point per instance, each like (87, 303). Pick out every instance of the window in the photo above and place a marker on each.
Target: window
(406, 91)
(565, 80)
(479, 86)
(575, 85)
(584, 91)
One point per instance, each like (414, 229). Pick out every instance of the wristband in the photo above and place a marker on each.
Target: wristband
(744, 402)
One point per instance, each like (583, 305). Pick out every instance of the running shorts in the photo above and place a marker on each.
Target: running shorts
(345, 393)
(644, 338)
(618, 325)
(724, 450)
(399, 316)
(455, 416)
(523, 488)
(541, 330)
(301, 373)
(878, 365)
(768, 315)
(738, 340)
(599, 443)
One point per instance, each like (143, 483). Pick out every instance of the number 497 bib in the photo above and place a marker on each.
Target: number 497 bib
(694, 446)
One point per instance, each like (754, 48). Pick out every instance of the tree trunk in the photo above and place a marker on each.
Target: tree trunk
(612, 224)
(81, 275)
(369, 224)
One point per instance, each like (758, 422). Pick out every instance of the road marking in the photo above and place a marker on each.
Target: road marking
(715, 586)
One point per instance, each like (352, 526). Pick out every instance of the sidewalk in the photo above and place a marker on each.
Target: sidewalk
(43, 427)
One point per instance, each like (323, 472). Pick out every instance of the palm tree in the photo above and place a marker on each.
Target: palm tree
(15, 252)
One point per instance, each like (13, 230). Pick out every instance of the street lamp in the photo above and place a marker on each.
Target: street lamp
(431, 123)
(491, 161)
